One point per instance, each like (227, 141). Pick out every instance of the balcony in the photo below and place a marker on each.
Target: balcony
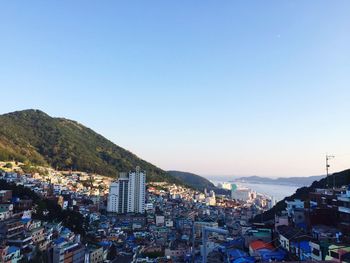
(344, 209)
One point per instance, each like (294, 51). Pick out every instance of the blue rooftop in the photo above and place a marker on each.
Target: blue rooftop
(25, 220)
(131, 238)
(12, 249)
(244, 260)
(105, 243)
(59, 240)
(267, 254)
(236, 253)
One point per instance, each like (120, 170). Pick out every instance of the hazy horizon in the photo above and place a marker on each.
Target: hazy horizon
(251, 88)
(228, 177)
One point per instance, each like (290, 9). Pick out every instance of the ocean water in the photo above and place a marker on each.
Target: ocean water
(278, 191)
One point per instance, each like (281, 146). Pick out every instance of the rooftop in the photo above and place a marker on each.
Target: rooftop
(259, 244)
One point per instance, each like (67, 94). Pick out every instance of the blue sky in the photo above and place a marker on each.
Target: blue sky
(212, 87)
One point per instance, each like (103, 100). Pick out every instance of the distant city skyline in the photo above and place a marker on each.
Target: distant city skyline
(229, 88)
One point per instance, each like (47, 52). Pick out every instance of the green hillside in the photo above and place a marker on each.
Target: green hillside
(197, 182)
(193, 180)
(35, 137)
(340, 179)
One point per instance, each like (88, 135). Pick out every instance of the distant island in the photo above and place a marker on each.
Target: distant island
(296, 181)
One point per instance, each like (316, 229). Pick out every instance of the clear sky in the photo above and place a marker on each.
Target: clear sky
(212, 87)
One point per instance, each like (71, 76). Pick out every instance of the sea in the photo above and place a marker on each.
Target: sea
(278, 191)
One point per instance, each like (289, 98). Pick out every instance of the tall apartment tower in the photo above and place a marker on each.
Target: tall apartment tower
(127, 194)
(137, 191)
(118, 195)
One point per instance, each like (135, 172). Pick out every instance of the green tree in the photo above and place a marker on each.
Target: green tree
(8, 165)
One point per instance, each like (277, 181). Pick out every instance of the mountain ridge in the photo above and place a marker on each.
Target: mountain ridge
(297, 181)
(197, 182)
(35, 137)
(193, 180)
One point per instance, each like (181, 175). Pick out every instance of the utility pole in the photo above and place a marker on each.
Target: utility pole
(328, 157)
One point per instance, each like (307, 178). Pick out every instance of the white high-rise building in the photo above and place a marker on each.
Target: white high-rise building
(137, 191)
(112, 201)
(118, 195)
(127, 194)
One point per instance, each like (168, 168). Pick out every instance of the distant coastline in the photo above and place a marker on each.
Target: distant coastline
(285, 181)
(276, 191)
(277, 188)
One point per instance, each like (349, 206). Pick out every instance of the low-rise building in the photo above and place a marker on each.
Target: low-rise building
(6, 211)
(292, 205)
(13, 255)
(5, 196)
(344, 210)
(11, 228)
(68, 252)
(257, 245)
(337, 252)
(94, 254)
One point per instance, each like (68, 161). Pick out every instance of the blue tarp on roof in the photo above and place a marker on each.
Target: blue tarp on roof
(59, 240)
(268, 255)
(239, 256)
(131, 238)
(25, 220)
(12, 249)
(105, 243)
(236, 253)
(14, 199)
(244, 260)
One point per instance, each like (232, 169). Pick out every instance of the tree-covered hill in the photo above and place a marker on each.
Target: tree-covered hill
(193, 180)
(197, 182)
(340, 179)
(35, 137)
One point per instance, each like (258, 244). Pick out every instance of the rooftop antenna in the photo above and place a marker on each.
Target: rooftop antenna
(328, 157)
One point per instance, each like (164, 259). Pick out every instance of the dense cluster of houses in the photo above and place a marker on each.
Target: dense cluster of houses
(312, 230)
(23, 238)
(179, 225)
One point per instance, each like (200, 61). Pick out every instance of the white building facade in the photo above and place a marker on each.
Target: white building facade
(243, 194)
(137, 191)
(128, 193)
(113, 198)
